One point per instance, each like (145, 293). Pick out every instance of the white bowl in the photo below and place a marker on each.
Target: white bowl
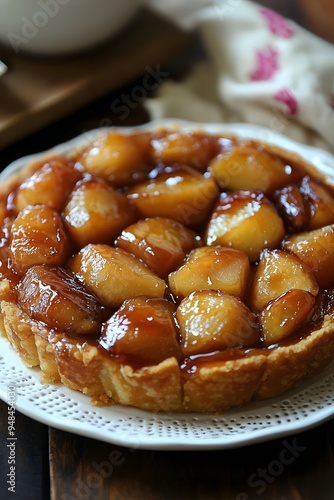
(57, 27)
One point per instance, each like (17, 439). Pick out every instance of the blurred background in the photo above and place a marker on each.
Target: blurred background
(47, 97)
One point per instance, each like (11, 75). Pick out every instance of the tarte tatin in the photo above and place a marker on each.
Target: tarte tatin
(169, 270)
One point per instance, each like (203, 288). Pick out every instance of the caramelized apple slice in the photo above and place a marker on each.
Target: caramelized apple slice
(246, 221)
(211, 320)
(55, 297)
(96, 213)
(6, 269)
(193, 149)
(285, 314)
(3, 209)
(247, 167)
(38, 236)
(180, 193)
(292, 207)
(316, 249)
(49, 185)
(144, 328)
(321, 203)
(118, 159)
(214, 268)
(161, 243)
(114, 275)
(276, 273)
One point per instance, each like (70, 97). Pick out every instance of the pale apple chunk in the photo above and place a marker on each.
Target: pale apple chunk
(55, 297)
(285, 314)
(49, 185)
(143, 328)
(193, 149)
(118, 159)
(278, 272)
(211, 320)
(316, 249)
(181, 194)
(215, 268)
(114, 275)
(246, 221)
(38, 236)
(249, 168)
(161, 243)
(321, 203)
(96, 213)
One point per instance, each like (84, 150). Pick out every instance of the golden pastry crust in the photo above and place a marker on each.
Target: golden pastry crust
(151, 388)
(20, 332)
(220, 387)
(213, 388)
(110, 376)
(286, 367)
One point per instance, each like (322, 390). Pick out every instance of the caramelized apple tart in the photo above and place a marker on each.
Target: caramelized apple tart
(169, 270)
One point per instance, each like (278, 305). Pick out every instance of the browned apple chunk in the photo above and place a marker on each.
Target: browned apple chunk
(49, 185)
(180, 193)
(246, 221)
(211, 320)
(38, 236)
(285, 314)
(161, 243)
(3, 210)
(292, 207)
(276, 273)
(321, 203)
(215, 268)
(55, 297)
(193, 149)
(142, 328)
(118, 159)
(247, 167)
(96, 213)
(6, 268)
(114, 275)
(316, 249)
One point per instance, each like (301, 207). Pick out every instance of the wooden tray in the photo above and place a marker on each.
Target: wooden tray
(36, 91)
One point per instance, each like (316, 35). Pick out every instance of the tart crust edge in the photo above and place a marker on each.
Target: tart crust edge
(214, 388)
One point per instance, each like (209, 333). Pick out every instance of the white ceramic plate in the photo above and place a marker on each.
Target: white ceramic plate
(297, 410)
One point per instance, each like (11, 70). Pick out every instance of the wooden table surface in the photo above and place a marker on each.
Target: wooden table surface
(59, 465)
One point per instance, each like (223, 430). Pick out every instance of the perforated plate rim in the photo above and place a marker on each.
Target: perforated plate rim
(295, 411)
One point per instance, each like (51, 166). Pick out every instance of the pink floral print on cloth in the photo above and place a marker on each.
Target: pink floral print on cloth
(277, 24)
(332, 102)
(288, 99)
(266, 64)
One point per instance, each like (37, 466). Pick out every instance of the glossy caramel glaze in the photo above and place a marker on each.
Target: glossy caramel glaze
(171, 178)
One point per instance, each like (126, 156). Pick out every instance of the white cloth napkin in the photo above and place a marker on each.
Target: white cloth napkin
(261, 69)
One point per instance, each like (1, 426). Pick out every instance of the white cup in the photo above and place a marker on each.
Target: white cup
(57, 27)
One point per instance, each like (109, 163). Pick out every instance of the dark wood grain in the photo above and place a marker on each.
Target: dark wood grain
(31, 458)
(38, 90)
(298, 467)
